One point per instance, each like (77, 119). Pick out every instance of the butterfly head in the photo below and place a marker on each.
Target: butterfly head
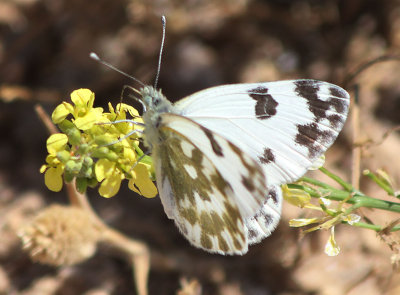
(154, 100)
(154, 104)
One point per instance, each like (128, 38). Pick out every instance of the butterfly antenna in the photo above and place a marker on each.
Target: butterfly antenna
(164, 23)
(98, 59)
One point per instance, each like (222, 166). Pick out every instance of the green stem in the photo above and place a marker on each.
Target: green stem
(368, 202)
(350, 209)
(347, 186)
(316, 182)
(359, 199)
(379, 182)
(137, 149)
(351, 196)
(374, 227)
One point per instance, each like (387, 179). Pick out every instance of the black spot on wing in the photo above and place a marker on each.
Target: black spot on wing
(263, 216)
(273, 196)
(307, 89)
(265, 104)
(214, 144)
(312, 137)
(252, 234)
(336, 121)
(322, 109)
(267, 157)
(338, 92)
(268, 219)
(338, 95)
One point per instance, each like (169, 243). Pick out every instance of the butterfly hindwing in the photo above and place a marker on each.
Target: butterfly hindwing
(286, 125)
(207, 185)
(263, 223)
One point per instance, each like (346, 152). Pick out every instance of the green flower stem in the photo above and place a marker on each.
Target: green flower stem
(374, 227)
(379, 182)
(350, 209)
(349, 195)
(138, 149)
(315, 182)
(368, 202)
(347, 186)
(359, 199)
(147, 160)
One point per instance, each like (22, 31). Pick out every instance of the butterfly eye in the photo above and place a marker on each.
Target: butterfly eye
(156, 101)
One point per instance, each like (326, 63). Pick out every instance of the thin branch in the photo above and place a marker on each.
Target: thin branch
(138, 253)
(350, 77)
(356, 154)
(44, 117)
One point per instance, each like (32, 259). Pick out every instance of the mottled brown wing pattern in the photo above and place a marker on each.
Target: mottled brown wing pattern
(204, 201)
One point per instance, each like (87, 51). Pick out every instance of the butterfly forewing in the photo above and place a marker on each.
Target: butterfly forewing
(285, 125)
(207, 185)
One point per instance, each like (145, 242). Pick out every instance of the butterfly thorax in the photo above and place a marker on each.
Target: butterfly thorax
(155, 105)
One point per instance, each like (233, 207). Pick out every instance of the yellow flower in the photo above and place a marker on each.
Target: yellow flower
(103, 168)
(129, 154)
(53, 178)
(90, 118)
(303, 221)
(296, 197)
(120, 114)
(83, 100)
(54, 169)
(110, 177)
(56, 142)
(82, 110)
(142, 183)
(110, 185)
(94, 148)
(83, 103)
(61, 112)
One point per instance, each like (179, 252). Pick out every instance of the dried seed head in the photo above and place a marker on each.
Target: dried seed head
(60, 235)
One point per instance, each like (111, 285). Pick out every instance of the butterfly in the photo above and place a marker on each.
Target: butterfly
(221, 154)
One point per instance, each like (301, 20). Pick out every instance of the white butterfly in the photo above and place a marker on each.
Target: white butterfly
(221, 154)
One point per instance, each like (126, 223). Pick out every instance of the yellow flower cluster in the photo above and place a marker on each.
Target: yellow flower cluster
(92, 149)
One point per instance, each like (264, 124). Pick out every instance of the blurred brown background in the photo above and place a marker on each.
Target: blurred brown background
(44, 55)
